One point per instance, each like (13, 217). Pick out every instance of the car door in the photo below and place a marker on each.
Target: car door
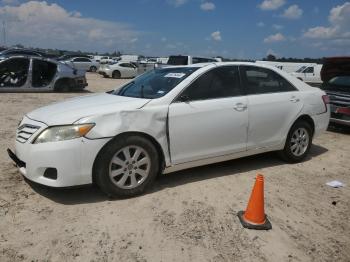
(127, 70)
(209, 118)
(273, 105)
(14, 73)
(309, 74)
(81, 63)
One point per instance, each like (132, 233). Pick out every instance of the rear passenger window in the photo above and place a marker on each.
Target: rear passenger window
(218, 83)
(259, 80)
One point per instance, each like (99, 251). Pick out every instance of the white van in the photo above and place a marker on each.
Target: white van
(309, 74)
(129, 58)
(288, 67)
(189, 60)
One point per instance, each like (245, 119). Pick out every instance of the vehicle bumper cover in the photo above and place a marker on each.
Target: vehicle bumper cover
(73, 160)
(321, 123)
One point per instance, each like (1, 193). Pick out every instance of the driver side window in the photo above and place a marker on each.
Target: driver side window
(220, 82)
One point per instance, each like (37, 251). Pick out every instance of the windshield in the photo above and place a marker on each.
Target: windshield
(155, 83)
(301, 69)
(338, 83)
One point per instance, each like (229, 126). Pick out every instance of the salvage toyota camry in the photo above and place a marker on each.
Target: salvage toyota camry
(166, 120)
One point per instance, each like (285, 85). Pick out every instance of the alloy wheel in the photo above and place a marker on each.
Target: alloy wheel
(129, 167)
(299, 141)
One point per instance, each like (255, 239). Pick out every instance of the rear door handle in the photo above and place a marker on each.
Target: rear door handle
(293, 99)
(240, 107)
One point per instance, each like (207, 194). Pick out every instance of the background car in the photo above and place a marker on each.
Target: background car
(17, 51)
(167, 120)
(118, 70)
(335, 74)
(39, 74)
(107, 60)
(70, 56)
(84, 63)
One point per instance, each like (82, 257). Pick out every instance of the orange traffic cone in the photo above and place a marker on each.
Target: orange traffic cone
(254, 217)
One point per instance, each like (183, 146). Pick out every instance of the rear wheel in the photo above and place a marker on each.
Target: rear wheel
(126, 166)
(116, 74)
(63, 85)
(298, 142)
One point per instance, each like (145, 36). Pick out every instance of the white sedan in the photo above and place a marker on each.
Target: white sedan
(118, 70)
(84, 63)
(166, 120)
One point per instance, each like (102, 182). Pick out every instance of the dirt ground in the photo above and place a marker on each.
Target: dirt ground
(187, 216)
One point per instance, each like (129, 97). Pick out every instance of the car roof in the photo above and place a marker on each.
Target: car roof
(200, 65)
(32, 57)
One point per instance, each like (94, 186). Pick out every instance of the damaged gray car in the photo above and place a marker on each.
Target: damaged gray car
(23, 73)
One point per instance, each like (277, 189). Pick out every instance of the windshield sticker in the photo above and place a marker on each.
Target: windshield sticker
(160, 92)
(175, 75)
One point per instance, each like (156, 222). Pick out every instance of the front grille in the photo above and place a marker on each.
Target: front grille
(25, 131)
(339, 99)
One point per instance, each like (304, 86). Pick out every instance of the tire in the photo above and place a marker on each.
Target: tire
(62, 86)
(298, 143)
(116, 75)
(116, 174)
(93, 69)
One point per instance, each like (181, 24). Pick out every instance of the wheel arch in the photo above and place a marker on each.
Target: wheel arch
(64, 80)
(308, 119)
(117, 70)
(133, 133)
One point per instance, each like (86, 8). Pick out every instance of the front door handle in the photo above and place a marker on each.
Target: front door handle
(240, 107)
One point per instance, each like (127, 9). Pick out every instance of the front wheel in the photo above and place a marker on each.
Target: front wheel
(126, 166)
(298, 142)
(116, 75)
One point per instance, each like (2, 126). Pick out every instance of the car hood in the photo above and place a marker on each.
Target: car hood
(71, 110)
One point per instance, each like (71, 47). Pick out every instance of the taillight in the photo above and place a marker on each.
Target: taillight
(343, 110)
(326, 100)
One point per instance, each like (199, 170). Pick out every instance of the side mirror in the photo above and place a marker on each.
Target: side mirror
(184, 98)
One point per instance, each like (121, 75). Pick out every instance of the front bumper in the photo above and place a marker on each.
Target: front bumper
(105, 72)
(72, 159)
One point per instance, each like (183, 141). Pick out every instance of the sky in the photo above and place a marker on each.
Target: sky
(248, 29)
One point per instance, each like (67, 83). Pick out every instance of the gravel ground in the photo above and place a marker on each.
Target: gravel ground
(187, 216)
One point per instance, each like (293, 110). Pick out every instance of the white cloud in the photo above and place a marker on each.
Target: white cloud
(271, 4)
(260, 24)
(207, 6)
(274, 38)
(271, 52)
(339, 19)
(163, 39)
(216, 36)
(41, 24)
(277, 27)
(293, 12)
(177, 3)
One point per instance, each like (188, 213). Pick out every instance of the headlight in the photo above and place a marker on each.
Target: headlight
(61, 133)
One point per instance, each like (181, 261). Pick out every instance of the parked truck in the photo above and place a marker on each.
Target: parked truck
(309, 74)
